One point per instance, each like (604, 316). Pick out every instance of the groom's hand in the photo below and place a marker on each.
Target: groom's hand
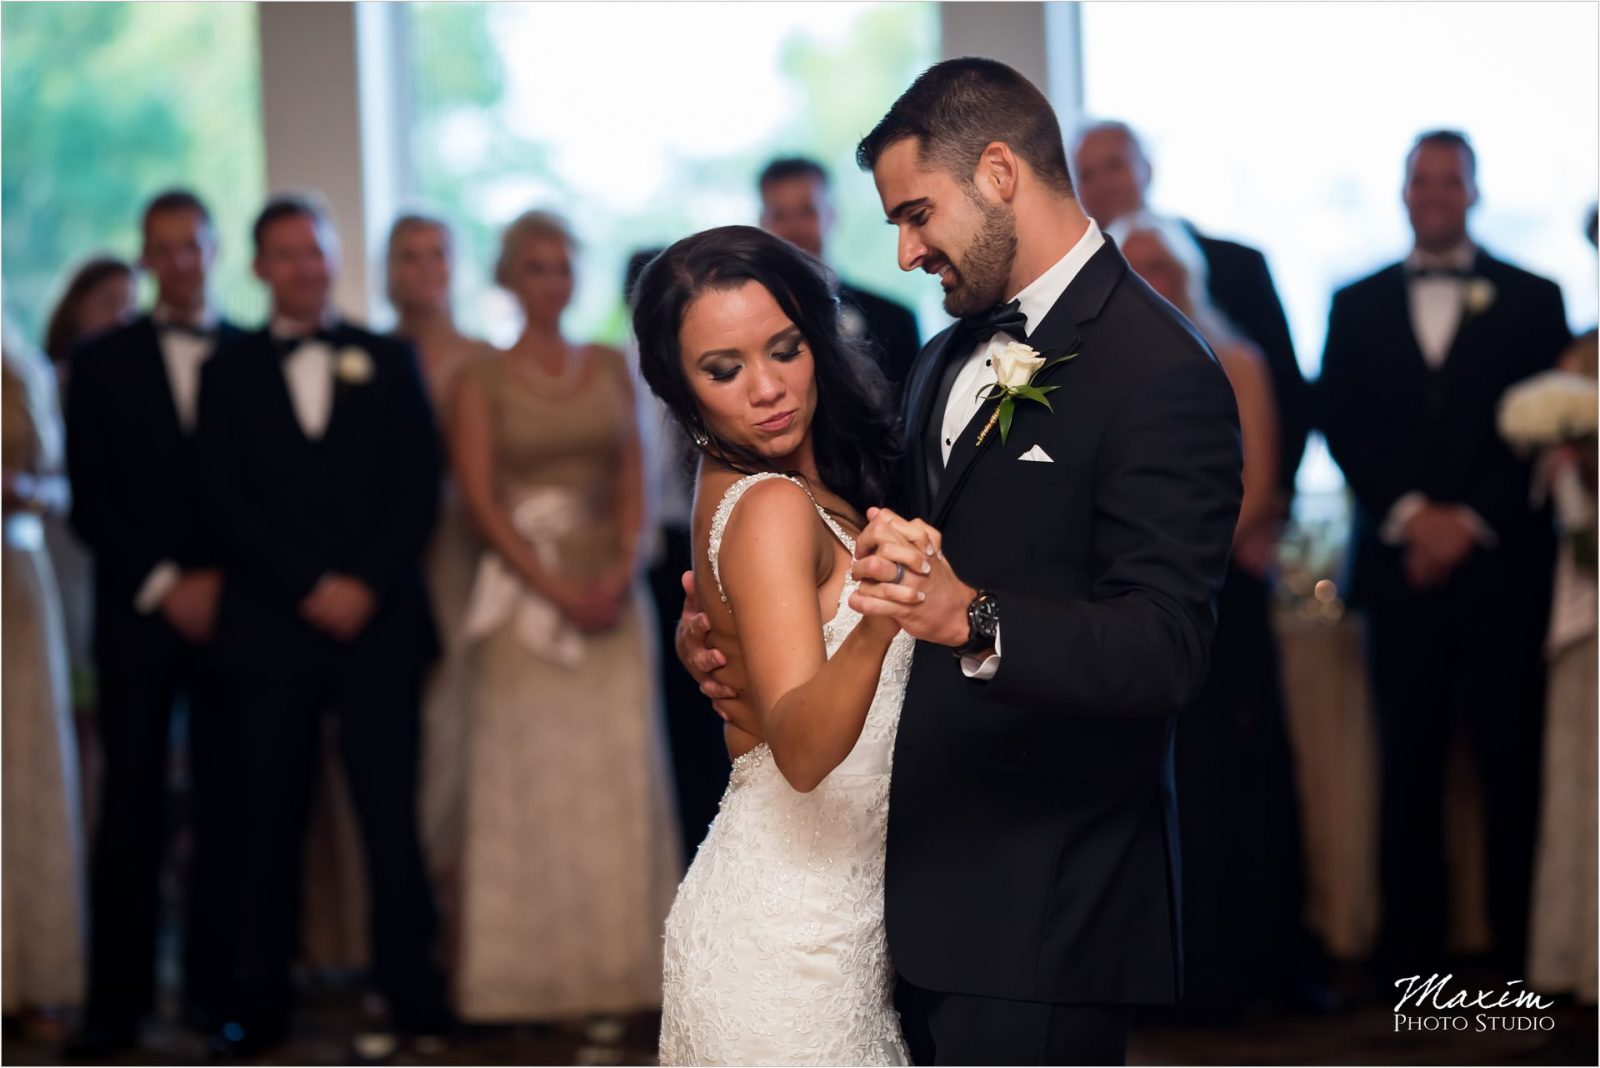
(904, 575)
(692, 642)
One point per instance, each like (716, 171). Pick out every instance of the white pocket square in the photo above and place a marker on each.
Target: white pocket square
(1037, 455)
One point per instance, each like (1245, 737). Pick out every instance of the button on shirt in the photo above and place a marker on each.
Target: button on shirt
(964, 402)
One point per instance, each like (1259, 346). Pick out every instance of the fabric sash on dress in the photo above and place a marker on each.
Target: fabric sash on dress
(499, 595)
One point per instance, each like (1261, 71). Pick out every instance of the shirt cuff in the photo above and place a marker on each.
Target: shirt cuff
(1393, 531)
(985, 669)
(1481, 530)
(156, 586)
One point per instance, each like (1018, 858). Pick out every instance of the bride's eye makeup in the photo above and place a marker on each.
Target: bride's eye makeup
(722, 372)
(787, 346)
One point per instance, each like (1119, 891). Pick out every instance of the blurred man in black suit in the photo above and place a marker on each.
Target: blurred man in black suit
(796, 205)
(1449, 561)
(322, 457)
(138, 503)
(1113, 175)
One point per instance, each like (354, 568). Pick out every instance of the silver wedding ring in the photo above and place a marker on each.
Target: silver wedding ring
(899, 573)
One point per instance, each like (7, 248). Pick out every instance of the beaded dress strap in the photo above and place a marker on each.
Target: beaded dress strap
(719, 521)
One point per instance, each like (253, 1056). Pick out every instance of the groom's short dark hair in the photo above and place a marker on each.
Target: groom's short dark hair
(957, 108)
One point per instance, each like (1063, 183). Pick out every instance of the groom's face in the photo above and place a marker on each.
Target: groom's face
(947, 227)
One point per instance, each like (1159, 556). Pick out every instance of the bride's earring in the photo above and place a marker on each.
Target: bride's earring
(700, 437)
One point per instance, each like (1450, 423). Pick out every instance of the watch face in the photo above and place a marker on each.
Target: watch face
(985, 616)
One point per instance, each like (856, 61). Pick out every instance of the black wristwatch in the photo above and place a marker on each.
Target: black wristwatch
(983, 623)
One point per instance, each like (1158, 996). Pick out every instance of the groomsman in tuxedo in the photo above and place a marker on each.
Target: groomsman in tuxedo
(139, 503)
(1112, 174)
(322, 456)
(797, 206)
(1449, 561)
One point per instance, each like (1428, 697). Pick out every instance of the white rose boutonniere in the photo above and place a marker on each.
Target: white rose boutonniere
(1015, 368)
(1480, 293)
(352, 365)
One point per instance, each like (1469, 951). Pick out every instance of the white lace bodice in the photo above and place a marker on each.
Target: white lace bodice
(775, 949)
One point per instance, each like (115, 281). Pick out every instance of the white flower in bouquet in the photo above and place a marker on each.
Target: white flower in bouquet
(1549, 409)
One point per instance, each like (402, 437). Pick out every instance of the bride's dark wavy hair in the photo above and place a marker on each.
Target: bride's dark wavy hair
(855, 435)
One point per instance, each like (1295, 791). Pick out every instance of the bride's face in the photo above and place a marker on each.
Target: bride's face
(751, 371)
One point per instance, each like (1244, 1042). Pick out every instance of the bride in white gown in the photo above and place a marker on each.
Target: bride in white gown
(775, 947)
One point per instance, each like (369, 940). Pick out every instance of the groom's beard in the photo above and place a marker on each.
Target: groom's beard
(982, 274)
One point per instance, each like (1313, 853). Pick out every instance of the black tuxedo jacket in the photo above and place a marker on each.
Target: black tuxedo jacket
(361, 501)
(1241, 287)
(1032, 827)
(892, 330)
(138, 496)
(1396, 426)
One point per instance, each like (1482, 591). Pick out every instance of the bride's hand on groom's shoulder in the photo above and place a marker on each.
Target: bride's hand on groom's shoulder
(904, 576)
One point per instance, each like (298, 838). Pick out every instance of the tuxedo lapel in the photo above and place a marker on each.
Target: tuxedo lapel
(1056, 335)
(260, 348)
(923, 466)
(1462, 343)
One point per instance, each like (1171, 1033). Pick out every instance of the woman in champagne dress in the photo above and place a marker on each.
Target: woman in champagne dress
(43, 934)
(571, 851)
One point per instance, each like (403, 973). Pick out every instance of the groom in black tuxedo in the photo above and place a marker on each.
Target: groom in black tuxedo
(1448, 559)
(1032, 875)
(139, 503)
(322, 456)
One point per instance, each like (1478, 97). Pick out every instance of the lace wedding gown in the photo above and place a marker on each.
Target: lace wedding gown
(775, 946)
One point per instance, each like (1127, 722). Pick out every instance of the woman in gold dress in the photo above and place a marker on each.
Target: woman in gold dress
(571, 853)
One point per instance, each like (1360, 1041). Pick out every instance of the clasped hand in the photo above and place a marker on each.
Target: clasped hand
(1439, 538)
(904, 576)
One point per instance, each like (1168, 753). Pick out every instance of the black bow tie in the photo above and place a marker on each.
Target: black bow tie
(199, 333)
(284, 346)
(1007, 318)
(1438, 272)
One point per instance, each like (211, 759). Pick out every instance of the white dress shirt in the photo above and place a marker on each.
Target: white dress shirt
(183, 355)
(308, 370)
(1436, 312)
(964, 402)
(1436, 303)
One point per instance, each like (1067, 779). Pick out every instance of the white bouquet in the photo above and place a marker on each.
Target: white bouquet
(1549, 409)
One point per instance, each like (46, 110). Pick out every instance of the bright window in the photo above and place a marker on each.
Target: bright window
(1286, 126)
(642, 123)
(106, 105)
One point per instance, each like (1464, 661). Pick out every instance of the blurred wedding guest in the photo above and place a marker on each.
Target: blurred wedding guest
(571, 852)
(796, 205)
(1562, 955)
(1448, 562)
(139, 505)
(1238, 812)
(1112, 175)
(421, 258)
(321, 455)
(699, 754)
(98, 297)
(43, 936)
